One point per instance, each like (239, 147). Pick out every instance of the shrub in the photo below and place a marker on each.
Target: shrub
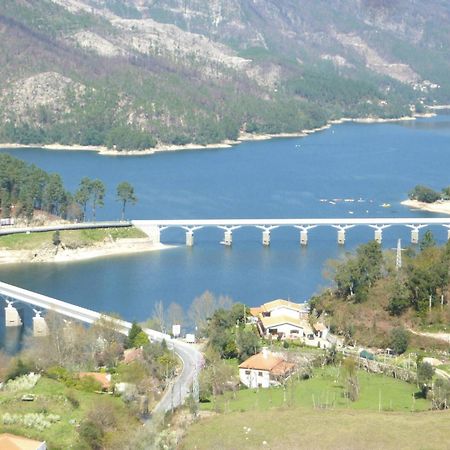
(399, 340)
(91, 434)
(71, 397)
(23, 383)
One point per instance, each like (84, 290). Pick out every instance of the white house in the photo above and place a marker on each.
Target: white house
(264, 369)
(283, 318)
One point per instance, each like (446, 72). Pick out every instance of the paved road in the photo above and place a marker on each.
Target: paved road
(189, 355)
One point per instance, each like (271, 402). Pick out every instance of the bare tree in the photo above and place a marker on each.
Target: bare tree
(201, 309)
(175, 314)
(159, 315)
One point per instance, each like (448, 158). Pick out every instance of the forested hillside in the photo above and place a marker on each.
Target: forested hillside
(132, 74)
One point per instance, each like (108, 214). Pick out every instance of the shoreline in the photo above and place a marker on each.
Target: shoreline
(243, 137)
(442, 207)
(119, 247)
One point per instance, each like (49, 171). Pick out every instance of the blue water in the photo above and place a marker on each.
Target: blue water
(280, 178)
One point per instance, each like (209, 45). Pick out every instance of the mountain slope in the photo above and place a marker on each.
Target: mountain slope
(134, 73)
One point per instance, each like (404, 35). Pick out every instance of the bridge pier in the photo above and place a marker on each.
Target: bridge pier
(228, 238)
(40, 328)
(189, 238)
(304, 237)
(341, 236)
(12, 316)
(266, 238)
(415, 233)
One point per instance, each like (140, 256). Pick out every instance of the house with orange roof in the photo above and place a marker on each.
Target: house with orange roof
(283, 319)
(264, 369)
(12, 442)
(103, 378)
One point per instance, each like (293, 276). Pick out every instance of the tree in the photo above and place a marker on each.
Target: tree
(83, 194)
(125, 194)
(175, 314)
(399, 340)
(201, 309)
(98, 194)
(424, 194)
(350, 379)
(159, 315)
(427, 241)
(425, 374)
(132, 334)
(399, 299)
(248, 343)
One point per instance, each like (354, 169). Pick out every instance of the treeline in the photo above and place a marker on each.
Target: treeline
(25, 188)
(370, 292)
(427, 195)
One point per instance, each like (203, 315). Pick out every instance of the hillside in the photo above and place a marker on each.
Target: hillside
(132, 74)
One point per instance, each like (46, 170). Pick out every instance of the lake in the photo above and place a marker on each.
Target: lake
(279, 178)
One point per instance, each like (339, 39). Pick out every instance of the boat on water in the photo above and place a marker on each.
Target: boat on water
(331, 202)
(349, 200)
(386, 205)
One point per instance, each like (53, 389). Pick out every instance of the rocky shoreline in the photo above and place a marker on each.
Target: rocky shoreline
(102, 150)
(63, 254)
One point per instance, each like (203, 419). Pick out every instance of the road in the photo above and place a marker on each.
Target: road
(191, 358)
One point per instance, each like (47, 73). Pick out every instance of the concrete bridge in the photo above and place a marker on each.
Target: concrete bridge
(190, 357)
(153, 228)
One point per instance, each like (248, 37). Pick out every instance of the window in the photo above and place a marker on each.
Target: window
(260, 374)
(247, 372)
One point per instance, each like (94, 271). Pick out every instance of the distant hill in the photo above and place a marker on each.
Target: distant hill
(135, 73)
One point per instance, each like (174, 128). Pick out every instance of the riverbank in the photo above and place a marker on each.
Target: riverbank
(441, 207)
(74, 245)
(243, 137)
(62, 254)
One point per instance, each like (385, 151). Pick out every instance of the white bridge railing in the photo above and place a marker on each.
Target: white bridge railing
(153, 228)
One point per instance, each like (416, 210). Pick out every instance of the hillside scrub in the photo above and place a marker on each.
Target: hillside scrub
(370, 297)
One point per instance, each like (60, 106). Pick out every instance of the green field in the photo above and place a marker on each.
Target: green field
(71, 238)
(306, 428)
(51, 398)
(325, 390)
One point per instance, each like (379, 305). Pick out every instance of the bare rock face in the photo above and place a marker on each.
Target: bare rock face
(97, 44)
(48, 90)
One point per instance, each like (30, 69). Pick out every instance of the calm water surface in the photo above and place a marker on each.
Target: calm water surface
(282, 178)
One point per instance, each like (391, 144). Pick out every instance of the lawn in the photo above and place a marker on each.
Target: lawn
(51, 399)
(325, 389)
(75, 238)
(306, 428)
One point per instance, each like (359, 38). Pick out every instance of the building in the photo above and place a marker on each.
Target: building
(103, 378)
(13, 442)
(320, 330)
(283, 319)
(264, 370)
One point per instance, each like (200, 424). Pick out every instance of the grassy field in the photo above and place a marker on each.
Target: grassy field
(306, 428)
(325, 389)
(72, 238)
(51, 399)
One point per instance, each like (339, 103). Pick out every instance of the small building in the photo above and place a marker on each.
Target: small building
(103, 378)
(283, 319)
(264, 370)
(12, 442)
(320, 330)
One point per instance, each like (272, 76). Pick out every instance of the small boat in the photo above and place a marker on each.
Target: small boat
(323, 200)
(349, 200)
(386, 205)
(360, 200)
(351, 212)
(331, 202)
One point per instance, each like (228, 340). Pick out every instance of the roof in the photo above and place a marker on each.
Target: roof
(269, 322)
(276, 365)
(279, 303)
(13, 442)
(319, 326)
(103, 378)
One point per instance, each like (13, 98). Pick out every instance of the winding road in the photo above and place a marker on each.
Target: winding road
(191, 358)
